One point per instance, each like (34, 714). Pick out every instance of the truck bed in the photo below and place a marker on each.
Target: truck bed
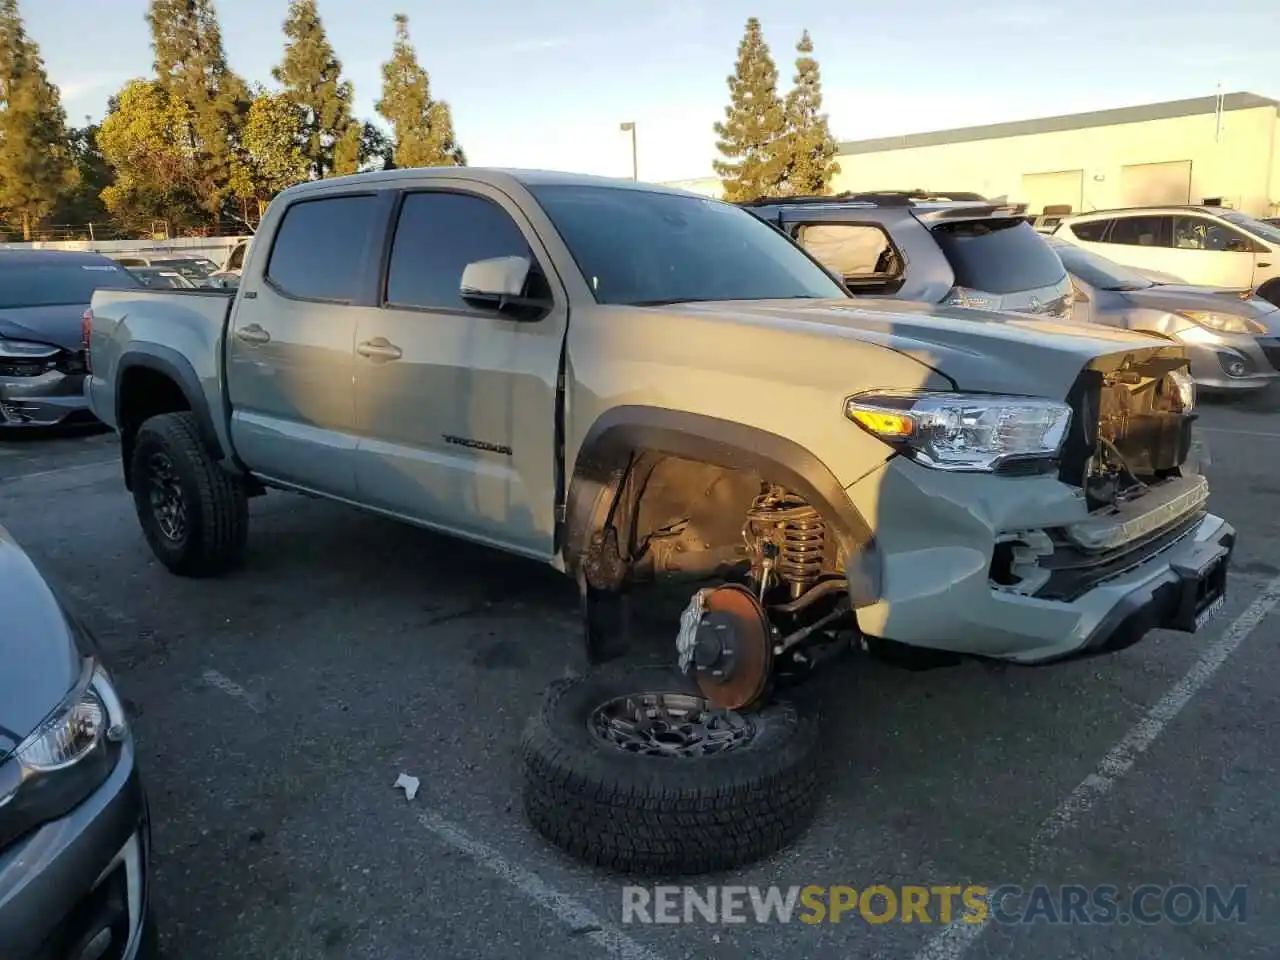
(182, 329)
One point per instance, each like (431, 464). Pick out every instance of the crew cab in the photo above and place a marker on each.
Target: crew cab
(629, 382)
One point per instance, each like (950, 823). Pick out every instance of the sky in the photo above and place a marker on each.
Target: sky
(547, 83)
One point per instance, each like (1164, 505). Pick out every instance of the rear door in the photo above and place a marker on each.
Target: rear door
(290, 352)
(455, 402)
(1145, 241)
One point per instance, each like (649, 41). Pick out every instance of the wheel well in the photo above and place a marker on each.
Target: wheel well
(1270, 291)
(144, 393)
(674, 516)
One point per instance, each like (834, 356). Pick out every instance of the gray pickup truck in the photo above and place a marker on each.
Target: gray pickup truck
(632, 383)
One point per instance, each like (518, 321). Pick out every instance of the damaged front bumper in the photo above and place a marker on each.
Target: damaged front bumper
(48, 398)
(1076, 584)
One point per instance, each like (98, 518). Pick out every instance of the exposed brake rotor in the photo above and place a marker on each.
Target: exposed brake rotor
(733, 652)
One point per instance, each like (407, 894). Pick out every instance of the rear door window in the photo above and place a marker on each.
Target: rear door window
(1142, 231)
(858, 253)
(1091, 232)
(318, 252)
(999, 256)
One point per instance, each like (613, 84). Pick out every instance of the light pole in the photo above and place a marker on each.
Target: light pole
(630, 127)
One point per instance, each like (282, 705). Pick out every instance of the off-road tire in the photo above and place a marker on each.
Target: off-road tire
(648, 815)
(216, 502)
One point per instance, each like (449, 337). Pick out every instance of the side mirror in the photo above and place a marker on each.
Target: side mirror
(500, 284)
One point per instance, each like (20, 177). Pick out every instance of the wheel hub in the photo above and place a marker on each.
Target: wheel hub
(669, 725)
(165, 496)
(733, 648)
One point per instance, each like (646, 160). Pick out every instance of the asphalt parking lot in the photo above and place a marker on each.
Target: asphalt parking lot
(275, 709)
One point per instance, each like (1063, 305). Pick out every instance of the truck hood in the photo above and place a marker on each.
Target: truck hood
(975, 349)
(58, 325)
(40, 653)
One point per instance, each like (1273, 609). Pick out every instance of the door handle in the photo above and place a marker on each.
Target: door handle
(379, 350)
(1264, 265)
(253, 334)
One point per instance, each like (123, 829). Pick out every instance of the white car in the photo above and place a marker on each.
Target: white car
(1210, 246)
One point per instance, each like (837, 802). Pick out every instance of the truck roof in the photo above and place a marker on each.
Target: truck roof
(495, 176)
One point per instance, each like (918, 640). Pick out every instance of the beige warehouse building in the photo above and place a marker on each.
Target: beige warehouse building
(1209, 149)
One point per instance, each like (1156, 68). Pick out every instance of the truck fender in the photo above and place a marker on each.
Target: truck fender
(608, 447)
(176, 368)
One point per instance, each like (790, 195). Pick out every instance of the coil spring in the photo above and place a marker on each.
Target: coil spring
(798, 531)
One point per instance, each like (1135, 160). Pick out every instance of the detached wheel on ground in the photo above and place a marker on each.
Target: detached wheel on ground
(632, 769)
(194, 514)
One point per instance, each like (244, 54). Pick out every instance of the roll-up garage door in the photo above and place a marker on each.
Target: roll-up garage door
(1155, 184)
(1062, 188)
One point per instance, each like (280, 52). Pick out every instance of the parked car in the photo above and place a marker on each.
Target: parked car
(162, 278)
(960, 252)
(43, 296)
(74, 826)
(631, 383)
(1209, 246)
(195, 269)
(1233, 341)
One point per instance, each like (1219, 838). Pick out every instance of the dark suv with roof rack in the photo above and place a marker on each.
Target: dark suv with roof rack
(956, 248)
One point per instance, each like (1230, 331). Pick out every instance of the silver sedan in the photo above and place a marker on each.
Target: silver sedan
(1232, 338)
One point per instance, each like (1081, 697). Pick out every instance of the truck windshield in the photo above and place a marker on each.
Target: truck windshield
(55, 282)
(640, 247)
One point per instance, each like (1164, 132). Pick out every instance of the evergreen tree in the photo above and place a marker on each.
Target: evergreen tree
(810, 148)
(422, 127)
(311, 75)
(83, 203)
(36, 166)
(752, 134)
(191, 68)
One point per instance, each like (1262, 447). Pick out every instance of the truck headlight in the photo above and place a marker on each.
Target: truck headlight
(956, 431)
(65, 759)
(1222, 322)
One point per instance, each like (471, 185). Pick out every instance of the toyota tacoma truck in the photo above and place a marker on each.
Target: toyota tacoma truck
(637, 384)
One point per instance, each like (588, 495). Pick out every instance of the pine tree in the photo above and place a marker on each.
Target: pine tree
(311, 75)
(752, 133)
(191, 68)
(810, 148)
(36, 167)
(422, 127)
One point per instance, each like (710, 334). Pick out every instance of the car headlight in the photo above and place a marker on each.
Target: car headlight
(27, 350)
(1222, 322)
(65, 759)
(956, 431)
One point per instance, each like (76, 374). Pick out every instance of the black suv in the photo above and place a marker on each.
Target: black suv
(954, 248)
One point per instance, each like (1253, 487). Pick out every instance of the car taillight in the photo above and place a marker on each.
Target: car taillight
(86, 333)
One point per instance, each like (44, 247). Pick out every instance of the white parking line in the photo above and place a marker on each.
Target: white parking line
(1241, 433)
(220, 681)
(571, 913)
(954, 941)
(52, 473)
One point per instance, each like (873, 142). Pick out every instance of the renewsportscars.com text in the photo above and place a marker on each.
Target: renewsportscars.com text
(878, 904)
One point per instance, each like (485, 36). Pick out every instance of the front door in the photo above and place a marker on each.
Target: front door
(290, 359)
(1215, 254)
(456, 403)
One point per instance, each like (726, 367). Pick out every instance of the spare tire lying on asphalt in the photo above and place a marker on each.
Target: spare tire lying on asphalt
(632, 769)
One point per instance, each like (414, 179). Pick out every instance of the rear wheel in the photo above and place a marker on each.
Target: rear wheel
(194, 514)
(633, 769)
